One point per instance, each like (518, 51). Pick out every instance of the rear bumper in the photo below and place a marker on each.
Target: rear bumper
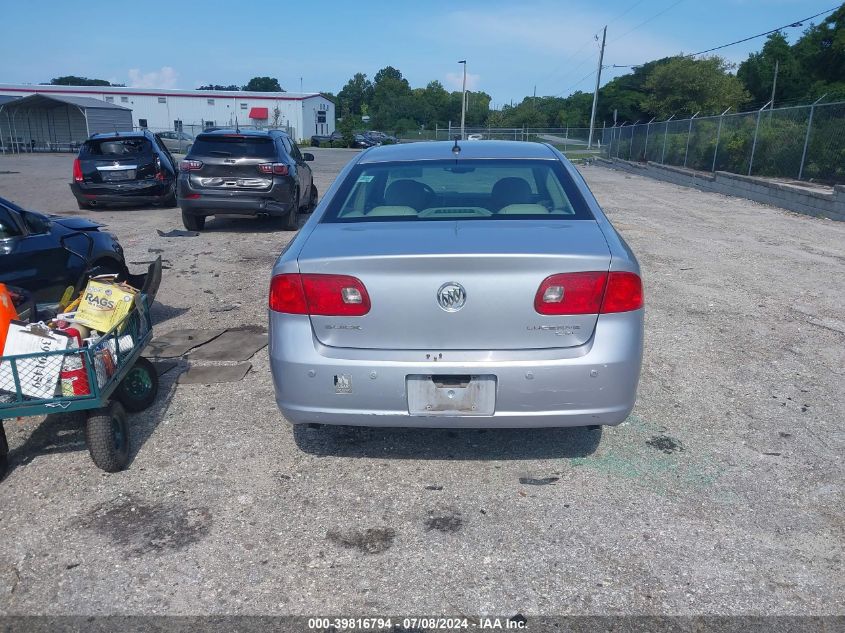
(134, 193)
(595, 383)
(277, 201)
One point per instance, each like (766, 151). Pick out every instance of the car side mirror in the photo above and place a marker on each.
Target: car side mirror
(308, 156)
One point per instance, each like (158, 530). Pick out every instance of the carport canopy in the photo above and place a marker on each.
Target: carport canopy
(51, 122)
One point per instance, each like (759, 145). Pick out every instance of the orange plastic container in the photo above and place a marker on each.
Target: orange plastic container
(7, 313)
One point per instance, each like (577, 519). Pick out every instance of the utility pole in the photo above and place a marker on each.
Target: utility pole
(534, 103)
(463, 99)
(596, 93)
(774, 84)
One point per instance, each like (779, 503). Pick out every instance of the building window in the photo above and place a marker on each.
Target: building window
(243, 106)
(142, 123)
(109, 99)
(162, 99)
(210, 101)
(209, 124)
(124, 99)
(177, 125)
(321, 116)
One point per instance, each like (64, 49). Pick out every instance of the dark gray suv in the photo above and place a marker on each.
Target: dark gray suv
(245, 172)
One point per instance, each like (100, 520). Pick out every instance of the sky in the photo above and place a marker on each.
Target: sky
(511, 47)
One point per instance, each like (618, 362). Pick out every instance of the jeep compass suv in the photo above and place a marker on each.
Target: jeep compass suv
(245, 172)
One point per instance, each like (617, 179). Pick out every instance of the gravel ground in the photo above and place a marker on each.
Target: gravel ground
(722, 493)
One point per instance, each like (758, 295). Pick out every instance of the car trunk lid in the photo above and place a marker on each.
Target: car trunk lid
(500, 264)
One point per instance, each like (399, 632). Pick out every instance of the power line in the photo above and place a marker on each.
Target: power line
(587, 76)
(585, 44)
(633, 6)
(643, 23)
(794, 24)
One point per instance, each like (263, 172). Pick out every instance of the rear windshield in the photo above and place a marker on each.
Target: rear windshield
(116, 147)
(238, 146)
(458, 190)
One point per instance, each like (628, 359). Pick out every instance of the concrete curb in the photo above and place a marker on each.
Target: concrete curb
(786, 196)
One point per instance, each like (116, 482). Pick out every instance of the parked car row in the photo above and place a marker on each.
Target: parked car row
(360, 140)
(225, 172)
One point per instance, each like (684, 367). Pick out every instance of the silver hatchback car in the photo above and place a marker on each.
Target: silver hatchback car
(457, 285)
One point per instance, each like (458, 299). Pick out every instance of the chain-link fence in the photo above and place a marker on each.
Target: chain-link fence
(566, 138)
(800, 143)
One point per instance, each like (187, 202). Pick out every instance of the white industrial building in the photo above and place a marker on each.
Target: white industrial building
(302, 114)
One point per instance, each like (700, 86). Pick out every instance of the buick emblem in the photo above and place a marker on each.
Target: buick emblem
(451, 296)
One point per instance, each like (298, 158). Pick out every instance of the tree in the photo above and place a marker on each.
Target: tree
(73, 80)
(230, 87)
(388, 72)
(683, 85)
(263, 84)
(821, 53)
(758, 71)
(357, 92)
(347, 127)
(392, 99)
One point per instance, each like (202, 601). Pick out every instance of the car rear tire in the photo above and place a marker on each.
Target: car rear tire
(169, 201)
(107, 436)
(139, 387)
(312, 200)
(4, 451)
(193, 222)
(292, 221)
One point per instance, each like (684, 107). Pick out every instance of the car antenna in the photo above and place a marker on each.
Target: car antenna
(456, 149)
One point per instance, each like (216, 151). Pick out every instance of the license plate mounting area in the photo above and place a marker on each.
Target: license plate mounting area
(451, 394)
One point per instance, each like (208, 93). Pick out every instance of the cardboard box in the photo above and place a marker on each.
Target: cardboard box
(103, 305)
(38, 375)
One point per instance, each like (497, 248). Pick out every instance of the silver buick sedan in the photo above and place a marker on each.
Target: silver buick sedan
(457, 285)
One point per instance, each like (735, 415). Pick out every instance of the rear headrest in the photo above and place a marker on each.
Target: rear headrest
(405, 193)
(510, 190)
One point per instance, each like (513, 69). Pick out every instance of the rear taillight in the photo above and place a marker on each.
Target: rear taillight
(279, 169)
(323, 295)
(159, 172)
(589, 293)
(77, 171)
(624, 293)
(190, 165)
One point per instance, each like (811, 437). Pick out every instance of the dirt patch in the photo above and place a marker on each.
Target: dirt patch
(665, 444)
(448, 521)
(141, 528)
(369, 541)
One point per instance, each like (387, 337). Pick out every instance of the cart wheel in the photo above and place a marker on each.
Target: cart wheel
(107, 436)
(139, 387)
(4, 451)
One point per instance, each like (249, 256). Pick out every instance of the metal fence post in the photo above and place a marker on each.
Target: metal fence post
(631, 146)
(689, 134)
(647, 128)
(718, 136)
(754, 144)
(619, 144)
(665, 135)
(807, 136)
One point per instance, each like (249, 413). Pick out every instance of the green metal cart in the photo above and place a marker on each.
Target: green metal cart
(104, 379)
